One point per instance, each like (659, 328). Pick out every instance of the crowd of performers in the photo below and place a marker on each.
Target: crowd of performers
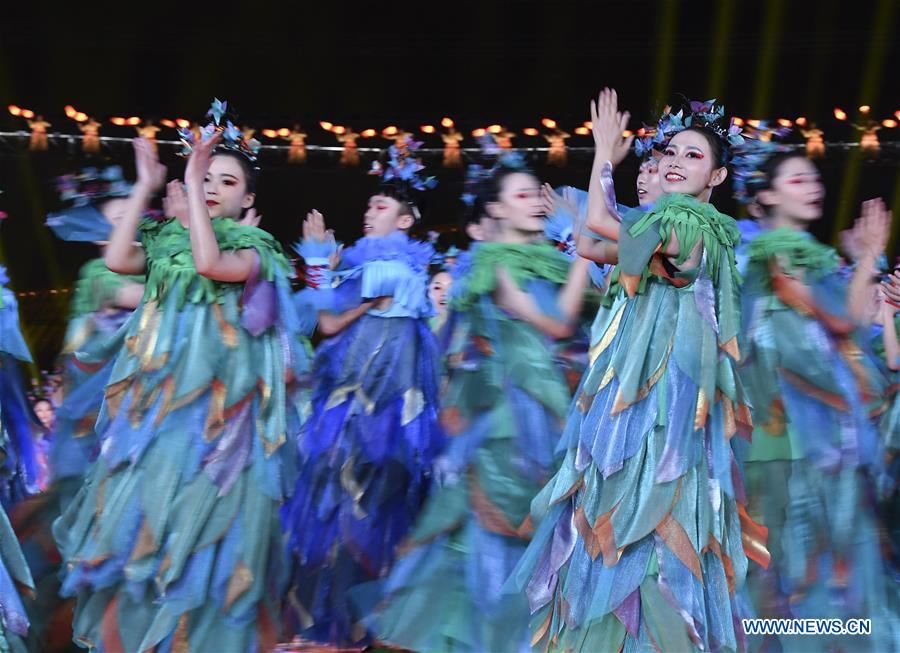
(600, 428)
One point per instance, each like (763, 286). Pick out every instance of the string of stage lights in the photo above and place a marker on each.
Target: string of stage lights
(297, 146)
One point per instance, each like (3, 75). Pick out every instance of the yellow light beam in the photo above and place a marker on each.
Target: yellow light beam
(726, 11)
(667, 27)
(881, 35)
(818, 65)
(773, 25)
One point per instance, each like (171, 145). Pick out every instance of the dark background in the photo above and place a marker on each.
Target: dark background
(372, 64)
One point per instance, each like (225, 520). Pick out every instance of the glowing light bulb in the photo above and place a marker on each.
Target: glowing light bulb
(839, 113)
(447, 122)
(549, 123)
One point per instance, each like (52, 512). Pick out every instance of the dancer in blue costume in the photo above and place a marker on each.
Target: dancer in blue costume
(639, 542)
(368, 447)
(814, 443)
(19, 469)
(174, 541)
(503, 409)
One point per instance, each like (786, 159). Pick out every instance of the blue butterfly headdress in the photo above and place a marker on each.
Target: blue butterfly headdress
(708, 115)
(90, 186)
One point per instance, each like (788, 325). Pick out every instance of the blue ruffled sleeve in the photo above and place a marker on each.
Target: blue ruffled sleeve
(11, 340)
(386, 278)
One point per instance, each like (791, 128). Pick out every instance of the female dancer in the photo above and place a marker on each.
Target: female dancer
(103, 300)
(639, 543)
(367, 449)
(809, 385)
(19, 470)
(503, 407)
(174, 540)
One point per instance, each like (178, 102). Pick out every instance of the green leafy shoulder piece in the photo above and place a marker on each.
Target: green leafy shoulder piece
(794, 250)
(523, 262)
(97, 286)
(691, 221)
(170, 263)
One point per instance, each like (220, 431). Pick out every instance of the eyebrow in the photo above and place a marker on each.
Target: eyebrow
(228, 174)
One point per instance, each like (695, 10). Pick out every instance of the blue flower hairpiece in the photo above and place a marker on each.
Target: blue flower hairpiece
(403, 167)
(232, 137)
(402, 172)
(91, 185)
(477, 173)
(756, 148)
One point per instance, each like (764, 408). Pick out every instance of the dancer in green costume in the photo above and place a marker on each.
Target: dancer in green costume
(640, 542)
(174, 540)
(814, 441)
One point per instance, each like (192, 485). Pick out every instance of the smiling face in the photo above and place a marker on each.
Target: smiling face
(518, 204)
(225, 186)
(437, 290)
(796, 191)
(386, 215)
(648, 183)
(688, 166)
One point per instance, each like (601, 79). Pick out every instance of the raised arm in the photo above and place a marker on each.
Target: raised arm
(209, 260)
(607, 125)
(873, 229)
(331, 323)
(889, 335)
(795, 293)
(121, 254)
(520, 304)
